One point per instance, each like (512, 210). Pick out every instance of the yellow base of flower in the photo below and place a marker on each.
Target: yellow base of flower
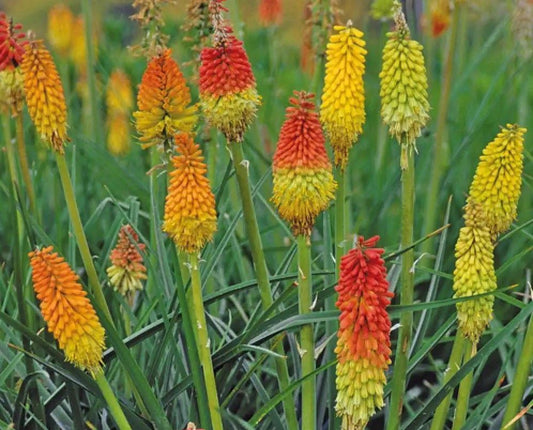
(231, 113)
(360, 392)
(118, 138)
(301, 194)
(125, 281)
(190, 234)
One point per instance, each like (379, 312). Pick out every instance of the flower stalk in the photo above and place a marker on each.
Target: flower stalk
(465, 387)
(112, 402)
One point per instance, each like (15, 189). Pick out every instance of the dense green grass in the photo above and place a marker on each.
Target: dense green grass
(491, 86)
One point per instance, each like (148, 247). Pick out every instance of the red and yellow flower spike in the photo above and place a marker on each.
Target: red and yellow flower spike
(61, 25)
(303, 182)
(498, 179)
(44, 95)
(270, 12)
(474, 274)
(440, 14)
(127, 269)
(363, 345)
(228, 93)
(119, 101)
(163, 102)
(67, 311)
(190, 215)
(403, 91)
(342, 112)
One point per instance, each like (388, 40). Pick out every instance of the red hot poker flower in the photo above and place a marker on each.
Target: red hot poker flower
(363, 345)
(11, 43)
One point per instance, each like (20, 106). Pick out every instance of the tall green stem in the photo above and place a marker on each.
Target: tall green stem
(440, 147)
(86, 6)
(307, 344)
(261, 272)
(202, 342)
(518, 386)
(193, 348)
(407, 283)
(24, 165)
(17, 259)
(439, 419)
(112, 401)
(139, 381)
(465, 387)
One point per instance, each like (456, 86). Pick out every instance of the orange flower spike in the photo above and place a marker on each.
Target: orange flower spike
(11, 43)
(163, 101)
(303, 182)
(127, 268)
(440, 17)
(190, 215)
(228, 94)
(363, 345)
(44, 95)
(67, 311)
(270, 12)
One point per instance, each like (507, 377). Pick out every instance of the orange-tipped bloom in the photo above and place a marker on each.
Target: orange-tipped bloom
(44, 95)
(61, 25)
(127, 269)
(440, 16)
(228, 95)
(343, 101)
(403, 92)
(363, 345)
(474, 274)
(190, 215)
(163, 102)
(498, 179)
(303, 182)
(11, 43)
(67, 310)
(270, 12)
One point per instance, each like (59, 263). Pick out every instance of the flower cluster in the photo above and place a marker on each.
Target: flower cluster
(163, 102)
(403, 91)
(66, 309)
(127, 269)
(303, 182)
(270, 12)
(440, 11)
(363, 345)
(44, 95)
(61, 25)
(190, 215)
(343, 101)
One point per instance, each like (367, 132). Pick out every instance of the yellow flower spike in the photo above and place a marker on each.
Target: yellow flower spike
(61, 26)
(498, 179)
(474, 274)
(118, 134)
(342, 112)
(78, 45)
(190, 215)
(119, 94)
(403, 89)
(163, 101)
(44, 95)
(67, 311)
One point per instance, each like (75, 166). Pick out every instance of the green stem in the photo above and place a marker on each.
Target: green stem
(86, 6)
(79, 234)
(112, 401)
(407, 283)
(439, 419)
(192, 350)
(440, 148)
(203, 343)
(138, 379)
(518, 386)
(307, 344)
(24, 165)
(261, 272)
(18, 275)
(464, 389)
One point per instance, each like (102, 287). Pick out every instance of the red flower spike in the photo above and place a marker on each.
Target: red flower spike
(11, 43)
